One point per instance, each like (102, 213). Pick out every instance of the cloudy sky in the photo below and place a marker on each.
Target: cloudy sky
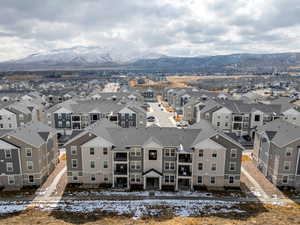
(172, 27)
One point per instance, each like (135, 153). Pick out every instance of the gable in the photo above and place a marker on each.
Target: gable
(209, 144)
(126, 110)
(63, 110)
(97, 142)
(291, 111)
(223, 110)
(6, 145)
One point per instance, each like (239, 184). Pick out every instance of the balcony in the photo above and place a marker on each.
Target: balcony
(121, 169)
(120, 157)
(185, 158)
(184, 171)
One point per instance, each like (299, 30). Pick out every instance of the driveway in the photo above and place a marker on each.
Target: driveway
(162, 118)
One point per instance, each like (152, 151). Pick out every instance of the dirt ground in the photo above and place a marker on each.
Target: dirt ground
(256, 214)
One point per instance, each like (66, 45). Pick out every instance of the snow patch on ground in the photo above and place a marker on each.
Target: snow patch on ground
(140, 208)
(140, 193)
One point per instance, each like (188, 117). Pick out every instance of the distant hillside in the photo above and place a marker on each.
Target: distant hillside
(95, 57)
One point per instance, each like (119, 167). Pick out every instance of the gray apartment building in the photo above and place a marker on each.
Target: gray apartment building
(28, 155)
(277, 153)
(153, 157)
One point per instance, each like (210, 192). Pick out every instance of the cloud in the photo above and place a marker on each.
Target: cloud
(171, 27)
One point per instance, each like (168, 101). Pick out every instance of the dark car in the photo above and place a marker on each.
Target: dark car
(151, 119)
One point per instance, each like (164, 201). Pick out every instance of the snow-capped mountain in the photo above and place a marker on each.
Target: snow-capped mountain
(84, 56)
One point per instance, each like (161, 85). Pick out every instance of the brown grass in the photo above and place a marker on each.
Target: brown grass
(23, 77)
(266, 215)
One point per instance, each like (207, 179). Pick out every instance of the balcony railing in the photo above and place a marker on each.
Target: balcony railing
(184, 158)
(120, 172)
(184, 173)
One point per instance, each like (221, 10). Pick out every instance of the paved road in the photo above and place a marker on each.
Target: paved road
(163, 118)
(111, 87)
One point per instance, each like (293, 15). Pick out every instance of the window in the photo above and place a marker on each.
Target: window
(29, 165)
(285, 179)
(201, 153)
(152, 154)
(28, 152)
(73, 150)
(93, 177)
(169, 179)
(92, 151)
(232, 166)
(7, 153)
(200, 180)
(288, 152)
(92, 164)
(74, 163)
(105, 178)
(68, 124)
(286, 166)
(59, 124)
(257, 118)
(1, 125)
(11, 180)
(105, 164)
(218, 124)
(231, 180)
(169, 166)
(104, 151)
(214, 155)
(200, 166)
(213, 167)
(212, 180)
(233, 153)
(167, 152)
(226, 124)
(75, 178)
(9, 167)
(207, 116)
(9, 125)
(30, 179)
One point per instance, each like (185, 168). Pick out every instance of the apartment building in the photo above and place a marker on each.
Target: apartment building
(77, 115)
(28, 155)
(277, 153)
(241, 118)
(154, 158)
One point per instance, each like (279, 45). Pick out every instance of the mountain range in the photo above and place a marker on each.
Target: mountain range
(81, 57)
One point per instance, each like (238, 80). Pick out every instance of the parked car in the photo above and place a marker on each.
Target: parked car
(151, 119)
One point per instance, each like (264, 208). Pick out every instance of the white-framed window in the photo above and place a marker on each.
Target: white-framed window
(105, 178)
(28, 152)
(214, 155)
(135, 178)
(233, 153)
(169, 152)
(92, 163)
(74, 163)
(135, 152)
(135, 165)
(30, 165)
(213, 167)
(105, 151)
(169, 165)
(201, 152)
(73, 150)
(232, 166)
(169, 178)
(285, 179)
(75, 178)
(31, 179)
(93, 177)
(68, 124)
(7, 153)
(286, 165)
(11, 180)
(288, 152)
(212, 180)
(105, 164)
(59, 124)
(200, 166)
(92, 151)
(231, 179)
(9, 167)
(200, 180)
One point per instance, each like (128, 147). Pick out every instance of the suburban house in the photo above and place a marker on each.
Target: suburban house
(153, 157)
(277, 153)
(28, 155)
